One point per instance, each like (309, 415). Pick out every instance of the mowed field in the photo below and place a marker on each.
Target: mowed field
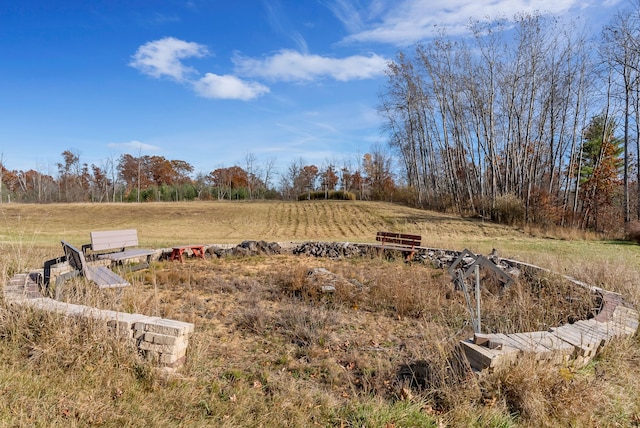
(270, 351)
(166, 224)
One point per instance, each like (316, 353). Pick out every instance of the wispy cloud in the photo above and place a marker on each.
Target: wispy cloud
(228, 87)
(279, 22)
(347, 12)
(135, 146)
(160, 18)
(403, 22)
(288, 65)
(164, 57)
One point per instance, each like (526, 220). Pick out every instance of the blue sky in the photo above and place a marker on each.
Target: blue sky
(212, 81)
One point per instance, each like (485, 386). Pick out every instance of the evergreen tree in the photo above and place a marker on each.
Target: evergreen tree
(602, 165)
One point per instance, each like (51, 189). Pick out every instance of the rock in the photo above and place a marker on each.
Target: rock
(324, 281)
(246, 249)
(439, 258)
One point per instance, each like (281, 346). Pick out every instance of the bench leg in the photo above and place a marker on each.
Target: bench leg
(408, 255)
(60, 281)
(176, 254)
(198, 252)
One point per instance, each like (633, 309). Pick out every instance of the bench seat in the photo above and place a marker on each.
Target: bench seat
(105, 277)
(102, 276)
(120, 256)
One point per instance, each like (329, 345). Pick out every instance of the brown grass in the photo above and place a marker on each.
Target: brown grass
(271, 350)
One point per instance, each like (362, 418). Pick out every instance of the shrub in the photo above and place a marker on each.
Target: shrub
(632, 231)
(508, 209)
(331, 194)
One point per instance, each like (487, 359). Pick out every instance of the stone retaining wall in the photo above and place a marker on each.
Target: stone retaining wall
(158, 339)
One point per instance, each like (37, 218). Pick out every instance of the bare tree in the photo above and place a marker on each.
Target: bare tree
(496, 114)
(619, 51)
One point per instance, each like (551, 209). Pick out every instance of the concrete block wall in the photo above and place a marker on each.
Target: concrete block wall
(161, 340)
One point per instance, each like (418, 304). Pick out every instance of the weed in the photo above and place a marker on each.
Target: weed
(270, 350)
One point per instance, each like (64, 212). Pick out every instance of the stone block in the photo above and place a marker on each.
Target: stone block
(163, 349)
(163, 339)
(172, 359)
(169, 327)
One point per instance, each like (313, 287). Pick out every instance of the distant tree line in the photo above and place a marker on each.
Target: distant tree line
(525, 120)
(154, 178)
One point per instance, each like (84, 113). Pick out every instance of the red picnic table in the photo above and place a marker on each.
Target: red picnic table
(197, 250)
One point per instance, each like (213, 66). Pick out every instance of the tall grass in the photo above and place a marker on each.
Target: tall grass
(271, 349)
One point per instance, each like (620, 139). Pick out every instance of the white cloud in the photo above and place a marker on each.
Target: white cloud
(135, 146)
(163, 57)
(408, 21)
(228, 87)
(288, 65)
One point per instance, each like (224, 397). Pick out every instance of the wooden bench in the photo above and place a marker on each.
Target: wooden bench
(115, 245)
(102, 276)
(399, 241)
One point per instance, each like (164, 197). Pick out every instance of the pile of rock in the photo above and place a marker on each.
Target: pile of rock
(246, 249)
(332, 250)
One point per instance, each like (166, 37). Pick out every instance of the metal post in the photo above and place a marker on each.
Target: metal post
(478, 299)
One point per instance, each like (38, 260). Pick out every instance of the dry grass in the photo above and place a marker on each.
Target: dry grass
(271, 350)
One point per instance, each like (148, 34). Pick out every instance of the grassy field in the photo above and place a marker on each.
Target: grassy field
(269, 351)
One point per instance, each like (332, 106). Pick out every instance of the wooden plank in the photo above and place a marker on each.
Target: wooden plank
(527, 343)
(549, 347)
(113, 239)
(399, 238)
(629, 324)
(399, 235)
(592, 331)
(507, 340)
(585, 334)
(105, 277)
(623, 310)
(625, 313)
(126, 255)
(532, 341)
(575, 338)
(399, 241)
(586, 346)
(605, 328)
(549, 340)
(481, 358)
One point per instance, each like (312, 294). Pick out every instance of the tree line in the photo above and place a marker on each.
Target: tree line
(147, 178)
(522, 120)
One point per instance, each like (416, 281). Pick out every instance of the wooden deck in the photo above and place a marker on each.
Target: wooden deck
(579, 341)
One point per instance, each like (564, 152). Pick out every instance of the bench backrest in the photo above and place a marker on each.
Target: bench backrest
(399, 238)
(75, 257)
(114, 239)
(101, 275)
